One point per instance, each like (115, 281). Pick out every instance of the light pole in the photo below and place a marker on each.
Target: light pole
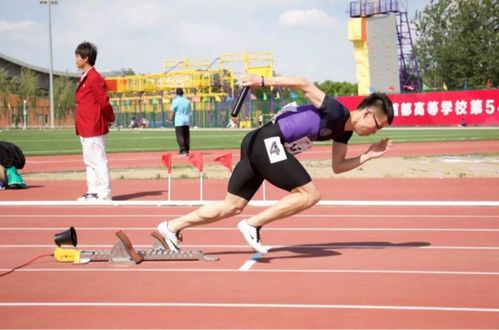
(25, 114)
(51, 75)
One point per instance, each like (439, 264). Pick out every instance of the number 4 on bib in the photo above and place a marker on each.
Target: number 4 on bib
(275, 149)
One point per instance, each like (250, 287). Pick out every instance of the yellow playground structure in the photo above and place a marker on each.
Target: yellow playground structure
(204, 82)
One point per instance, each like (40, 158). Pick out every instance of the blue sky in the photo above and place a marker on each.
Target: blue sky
(307, 37)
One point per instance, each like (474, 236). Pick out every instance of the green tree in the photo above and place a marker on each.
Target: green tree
(4, 90)
(335, 88)
(64, 91)
(456, 43)
(26, 85)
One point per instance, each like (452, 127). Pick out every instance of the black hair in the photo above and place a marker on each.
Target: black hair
(379, 100)
(87, 50)
(179, 91)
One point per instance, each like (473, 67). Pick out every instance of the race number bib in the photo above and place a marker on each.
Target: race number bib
(275, 149)
(299, 145)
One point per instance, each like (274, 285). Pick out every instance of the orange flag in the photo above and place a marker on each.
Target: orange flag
(166, 159)
(225, 160)
(196, 159)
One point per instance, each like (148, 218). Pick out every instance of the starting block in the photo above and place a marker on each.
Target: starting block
(123, 252)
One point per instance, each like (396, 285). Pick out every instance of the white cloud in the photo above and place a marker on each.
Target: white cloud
(304, 18)
(20, 30)
(22, 39)
(16, 27)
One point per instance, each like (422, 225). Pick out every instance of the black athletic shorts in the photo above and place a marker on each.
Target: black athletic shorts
(263, 157)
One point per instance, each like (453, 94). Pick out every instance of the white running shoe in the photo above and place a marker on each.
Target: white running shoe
(106, 198)
(88, 197)
(171, 238)
(252, 236)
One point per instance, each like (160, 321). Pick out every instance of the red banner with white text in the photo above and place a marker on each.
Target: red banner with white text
(472, 107)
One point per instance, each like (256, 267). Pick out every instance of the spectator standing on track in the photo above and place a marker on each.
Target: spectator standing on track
(94, 115)
(181, 112)
(267, 153)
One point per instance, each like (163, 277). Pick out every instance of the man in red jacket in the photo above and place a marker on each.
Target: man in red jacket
(94, 114)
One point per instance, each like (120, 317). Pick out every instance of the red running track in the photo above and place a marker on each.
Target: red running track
(435, 189)
(153, 159)
(329, 268)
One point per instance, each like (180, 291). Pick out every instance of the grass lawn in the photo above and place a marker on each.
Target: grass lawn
(64, 141)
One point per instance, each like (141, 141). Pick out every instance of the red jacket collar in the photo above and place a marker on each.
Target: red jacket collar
(89, 72)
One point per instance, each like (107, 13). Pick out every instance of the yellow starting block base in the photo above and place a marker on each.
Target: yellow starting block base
(123, 252)
(67, 255)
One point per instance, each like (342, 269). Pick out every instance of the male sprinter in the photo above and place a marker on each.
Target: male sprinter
(267, 153)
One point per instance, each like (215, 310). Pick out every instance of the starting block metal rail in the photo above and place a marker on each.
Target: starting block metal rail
(123, 252)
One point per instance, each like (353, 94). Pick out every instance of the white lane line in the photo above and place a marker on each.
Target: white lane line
(250, 262)
(331, 216)
(321, 229)
(246, 305)
(260, 203)
(380, 245)
(230, 270)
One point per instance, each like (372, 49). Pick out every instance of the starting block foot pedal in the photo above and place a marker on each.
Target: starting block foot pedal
(158, 242)
(161, 251)
(123, 251)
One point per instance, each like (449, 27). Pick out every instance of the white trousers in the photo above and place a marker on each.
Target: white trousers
(95, 159)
